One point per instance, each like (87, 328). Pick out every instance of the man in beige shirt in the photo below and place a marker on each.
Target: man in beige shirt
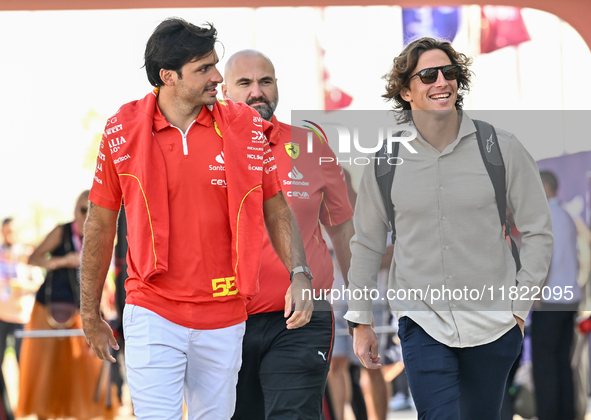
(453, 282)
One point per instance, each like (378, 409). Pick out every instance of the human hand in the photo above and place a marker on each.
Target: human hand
(365, 346)
(15, 287)
(99, 337)
(300, 295)
(373, 323)
(71, 260)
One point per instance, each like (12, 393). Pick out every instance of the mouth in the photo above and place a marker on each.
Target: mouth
(257, 102)
(211, 89)
(440, 96)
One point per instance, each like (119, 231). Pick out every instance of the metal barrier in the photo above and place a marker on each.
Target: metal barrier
(48, 333)
(387, 329)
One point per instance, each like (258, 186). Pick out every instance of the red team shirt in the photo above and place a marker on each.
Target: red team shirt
(317, 194)
(200, 235)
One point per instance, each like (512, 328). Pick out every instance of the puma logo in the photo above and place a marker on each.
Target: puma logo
(323, 355)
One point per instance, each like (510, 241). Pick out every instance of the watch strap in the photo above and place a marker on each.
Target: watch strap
(301, 269)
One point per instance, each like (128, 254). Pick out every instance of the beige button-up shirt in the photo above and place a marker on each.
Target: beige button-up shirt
(452, 270)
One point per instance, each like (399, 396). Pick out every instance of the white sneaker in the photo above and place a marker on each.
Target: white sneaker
(399, 402)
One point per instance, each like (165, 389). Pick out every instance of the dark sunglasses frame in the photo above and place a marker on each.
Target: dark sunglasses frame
(450, 72)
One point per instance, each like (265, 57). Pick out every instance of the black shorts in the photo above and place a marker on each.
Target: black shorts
(283, 373)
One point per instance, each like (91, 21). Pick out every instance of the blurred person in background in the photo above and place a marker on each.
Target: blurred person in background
(553, 318)
(61, 377)
(365, 390)
(18, 284)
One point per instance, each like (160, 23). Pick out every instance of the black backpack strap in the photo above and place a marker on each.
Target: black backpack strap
(385, 177)
(493, 161)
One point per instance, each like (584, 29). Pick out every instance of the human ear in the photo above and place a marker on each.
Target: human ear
(405, 94)
(168, 77)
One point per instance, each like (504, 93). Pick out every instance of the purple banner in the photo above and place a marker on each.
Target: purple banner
(439, 22)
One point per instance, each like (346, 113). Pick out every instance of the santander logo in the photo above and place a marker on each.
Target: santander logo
(220, 158)
(295, 174)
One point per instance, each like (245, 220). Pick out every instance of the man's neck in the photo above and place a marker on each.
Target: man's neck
(438, 130)
(177, 112)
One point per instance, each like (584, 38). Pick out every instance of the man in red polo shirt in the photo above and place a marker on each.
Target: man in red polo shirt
(284, 372)
(199, 189)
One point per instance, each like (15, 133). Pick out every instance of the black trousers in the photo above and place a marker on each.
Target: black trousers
(7, 329)
(449, 383)
(283, 373)
(552, 334)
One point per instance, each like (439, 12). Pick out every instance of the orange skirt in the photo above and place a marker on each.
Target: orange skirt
(59, 376)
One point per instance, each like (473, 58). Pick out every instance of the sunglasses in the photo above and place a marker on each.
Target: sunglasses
(430, 75)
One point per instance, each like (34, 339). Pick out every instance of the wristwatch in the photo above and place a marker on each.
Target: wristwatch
(353, 324)
(301, 269)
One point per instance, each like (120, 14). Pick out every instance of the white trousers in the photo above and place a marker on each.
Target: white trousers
(164, 358)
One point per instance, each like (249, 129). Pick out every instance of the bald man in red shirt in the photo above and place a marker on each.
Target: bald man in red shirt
(284, 373)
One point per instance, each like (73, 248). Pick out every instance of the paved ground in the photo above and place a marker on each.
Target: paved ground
(11, 377)
(125, 412)
(412, 414)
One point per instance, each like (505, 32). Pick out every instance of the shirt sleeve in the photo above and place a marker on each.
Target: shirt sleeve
(271, 183)
(335, 207)
(527, 201)
(367, 247)
(106, 189)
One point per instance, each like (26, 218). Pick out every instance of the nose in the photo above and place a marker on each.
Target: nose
(255, 91)
(441, 81)
(216, 77)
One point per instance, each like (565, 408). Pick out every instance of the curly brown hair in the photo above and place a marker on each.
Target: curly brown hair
(403, 66)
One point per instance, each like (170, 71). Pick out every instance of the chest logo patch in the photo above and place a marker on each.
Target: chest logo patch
(292, 149)
(295, 174)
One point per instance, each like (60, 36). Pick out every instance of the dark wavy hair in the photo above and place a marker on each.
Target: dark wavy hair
(174, 43)
(403, 66)
(549, 179)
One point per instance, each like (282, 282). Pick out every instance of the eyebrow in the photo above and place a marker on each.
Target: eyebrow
(262, 79)
(204, 65)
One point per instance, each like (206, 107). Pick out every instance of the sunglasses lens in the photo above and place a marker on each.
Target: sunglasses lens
(428, 76)
(451, 72)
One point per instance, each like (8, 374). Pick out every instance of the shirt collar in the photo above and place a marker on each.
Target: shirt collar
(276, 133)
(204, 118)
(467, 126)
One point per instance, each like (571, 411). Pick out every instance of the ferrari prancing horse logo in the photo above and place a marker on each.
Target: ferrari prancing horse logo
(292, 149)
